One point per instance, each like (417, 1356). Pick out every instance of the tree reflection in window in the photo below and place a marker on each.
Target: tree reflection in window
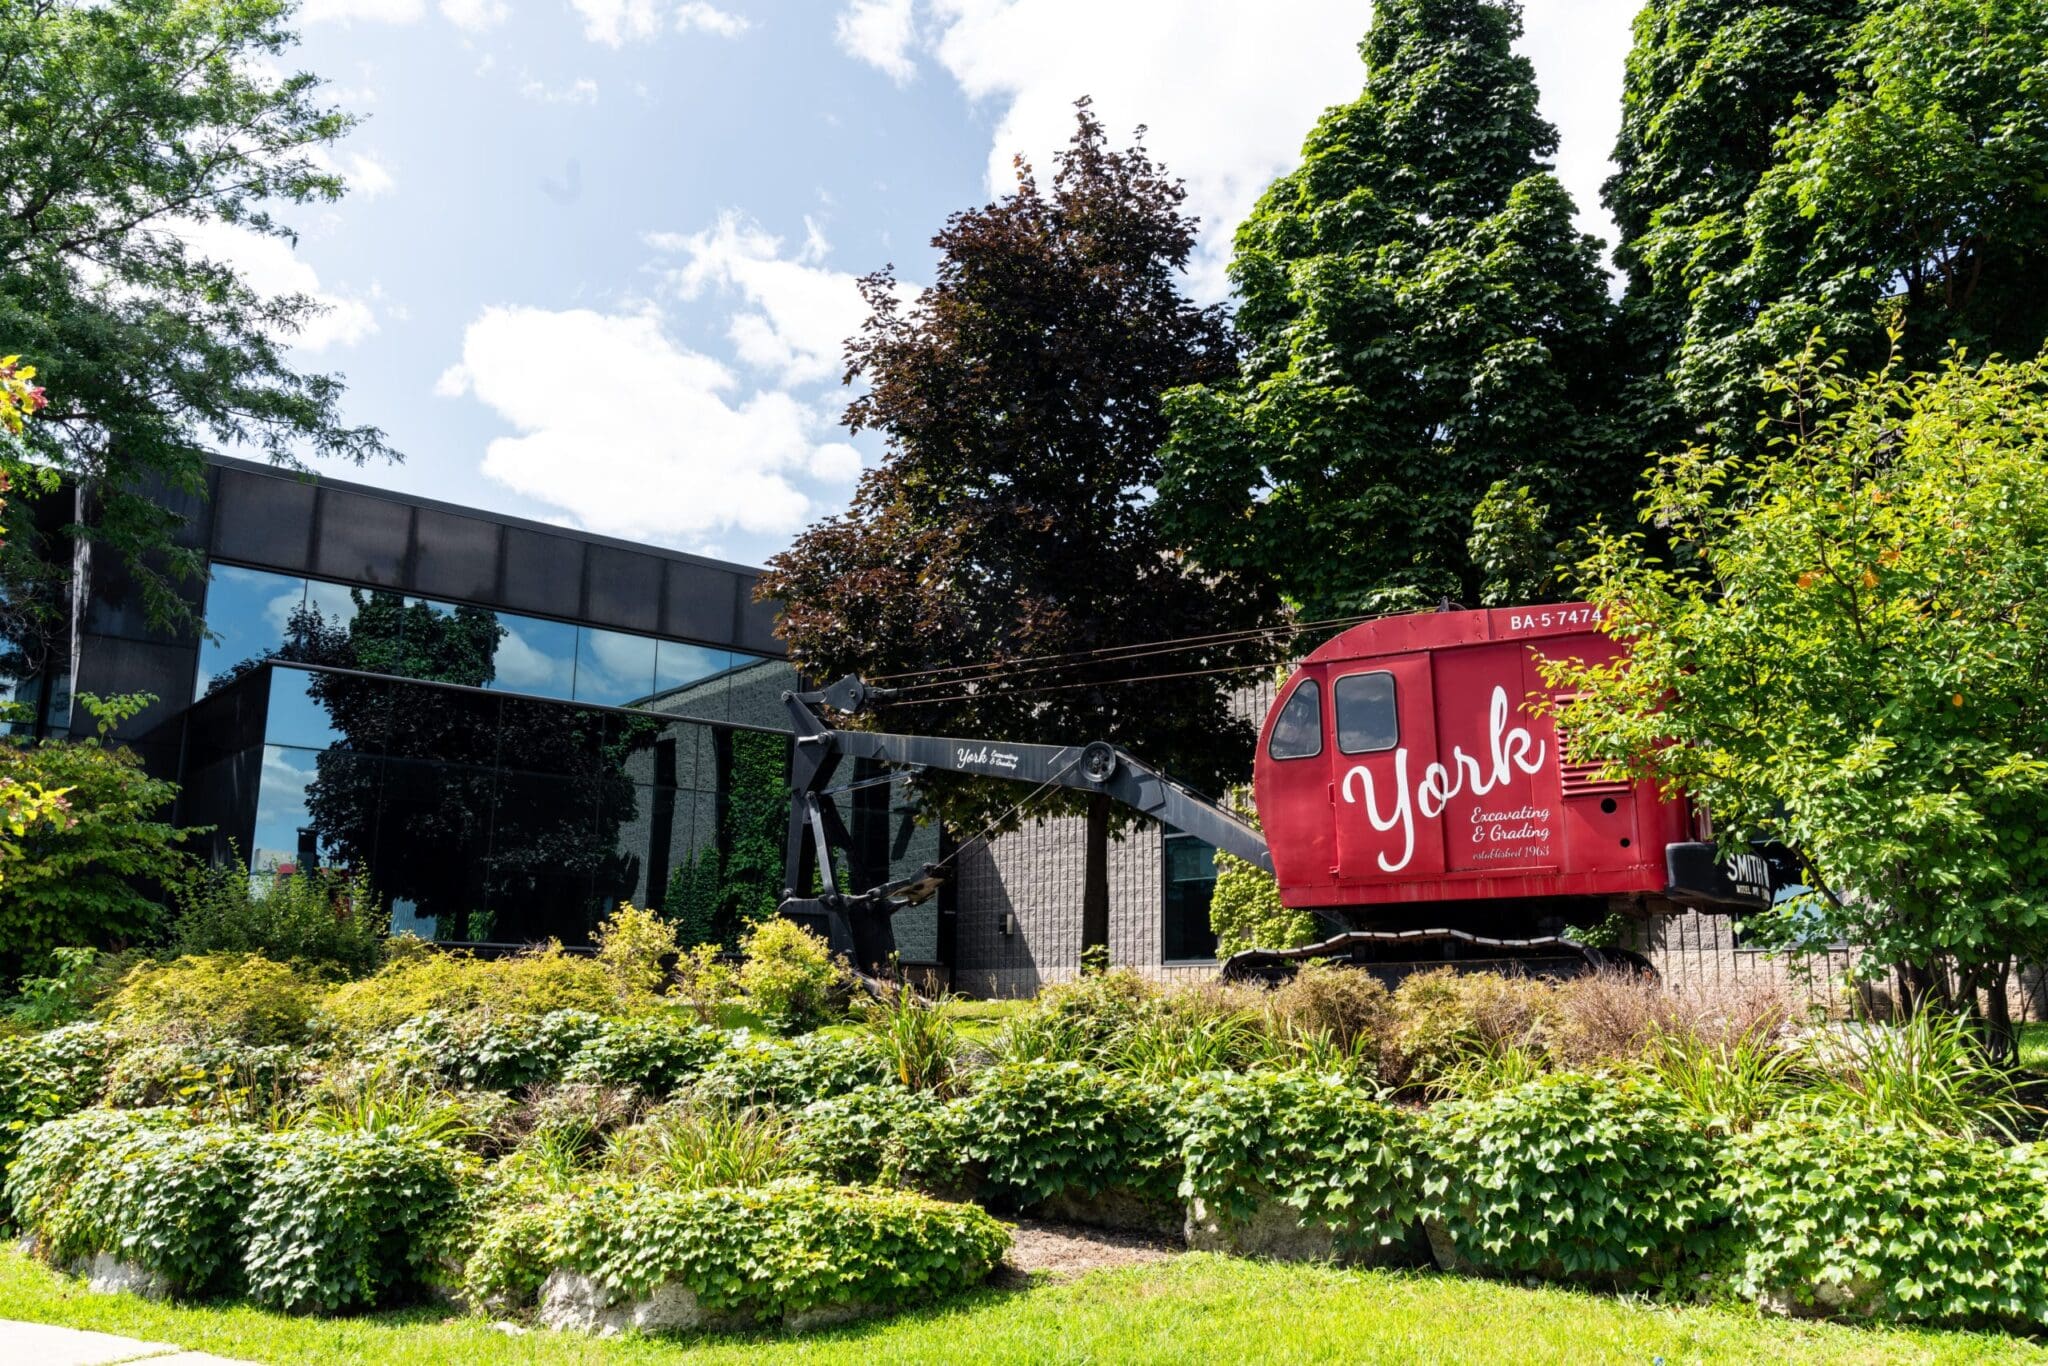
(485, 852)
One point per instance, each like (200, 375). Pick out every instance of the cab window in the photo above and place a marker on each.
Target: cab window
(1366, 721)
(1298, 734)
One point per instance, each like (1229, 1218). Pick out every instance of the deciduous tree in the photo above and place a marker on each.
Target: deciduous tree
(126, 126)
(1010, 519)
(1421, 325)
(1849, 657)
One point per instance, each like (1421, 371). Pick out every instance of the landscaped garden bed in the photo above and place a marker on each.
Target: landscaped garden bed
(601, 1144)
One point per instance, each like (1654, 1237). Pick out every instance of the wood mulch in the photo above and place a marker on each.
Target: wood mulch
(1070, 1249)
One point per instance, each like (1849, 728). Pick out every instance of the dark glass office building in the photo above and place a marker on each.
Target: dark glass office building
(512, 727)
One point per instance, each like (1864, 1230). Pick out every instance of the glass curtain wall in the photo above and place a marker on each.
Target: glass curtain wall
(256, 615)
(490, 818)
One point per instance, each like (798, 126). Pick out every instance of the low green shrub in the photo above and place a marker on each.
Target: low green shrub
(219, 997)
(1572, 1176)
(341, 1221)
(791, 1074)
(487, 1048)
(44, 1076)
(1843, 1217)
(1037, 1130)
(1317, 1144)
(653, 1053)
(881, 1134)
(791, 976)
(242, 1078)
(51, 1156)
(754, 1254)
(320, 917)
(166, 1199)
(423, 980)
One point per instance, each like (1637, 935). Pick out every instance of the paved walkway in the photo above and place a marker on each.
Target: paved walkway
(41, 1344)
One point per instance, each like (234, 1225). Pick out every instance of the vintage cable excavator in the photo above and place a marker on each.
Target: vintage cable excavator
(1409, 797)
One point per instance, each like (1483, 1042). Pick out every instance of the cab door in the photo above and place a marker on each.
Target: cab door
(1383, 733)
(1292, 785)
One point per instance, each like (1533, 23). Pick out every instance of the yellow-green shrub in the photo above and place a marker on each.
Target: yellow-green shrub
(216, 997)
(632, 944)
(529, 984)
(790, 975)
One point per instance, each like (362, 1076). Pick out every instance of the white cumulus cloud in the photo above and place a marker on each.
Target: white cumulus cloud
(799, 312)
(1227, 90)
(616, 22)
(371, 11)
(582, 90)
(702, 17)
(880, 33)
(474, 16)
(270, 267)
(650, 440)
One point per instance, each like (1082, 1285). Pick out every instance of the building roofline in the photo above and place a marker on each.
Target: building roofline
(259, 467)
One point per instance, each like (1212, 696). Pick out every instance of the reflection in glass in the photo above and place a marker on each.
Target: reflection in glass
(535, 656)
(430, 825)
(613, 668)
(546, 858)
(250, 614)
(1189, 875)
(690, 680)
(298, 713)
(757, 688)
(285, 837)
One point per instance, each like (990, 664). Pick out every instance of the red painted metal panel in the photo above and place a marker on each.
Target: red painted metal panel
(1472, 803)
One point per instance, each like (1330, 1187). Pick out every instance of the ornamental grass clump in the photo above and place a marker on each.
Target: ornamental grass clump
(746, 1255)
(1928, 1072)
(920, 1039)
(1836, 1216)
(1339, 1161)
(693, 1146)
(1581, 1177)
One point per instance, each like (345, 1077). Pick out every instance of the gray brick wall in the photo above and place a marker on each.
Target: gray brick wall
(1034, 875)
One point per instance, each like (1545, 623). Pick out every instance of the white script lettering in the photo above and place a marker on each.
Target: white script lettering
(1508, 748)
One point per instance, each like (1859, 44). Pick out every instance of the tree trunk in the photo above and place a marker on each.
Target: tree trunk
(1095, 888)
(1999, 1040)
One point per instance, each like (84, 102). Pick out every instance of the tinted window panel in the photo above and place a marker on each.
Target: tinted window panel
(535, 656)
(298, 712)
(1366, 721)
(250, 611)
(1189, 880)
(614, 668)
(1299, 731)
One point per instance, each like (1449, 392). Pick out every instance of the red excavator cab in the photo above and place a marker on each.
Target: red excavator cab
(1405, 766)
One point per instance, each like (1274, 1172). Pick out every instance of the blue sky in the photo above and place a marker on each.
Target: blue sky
(599, 254)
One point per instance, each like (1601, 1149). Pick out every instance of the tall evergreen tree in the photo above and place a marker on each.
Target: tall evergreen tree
(1009, 521)
(1422, 326)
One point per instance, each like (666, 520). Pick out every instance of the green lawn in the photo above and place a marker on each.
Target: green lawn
(1198, 1308)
